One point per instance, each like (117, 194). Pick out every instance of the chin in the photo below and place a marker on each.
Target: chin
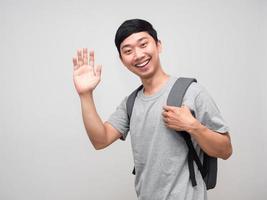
(147, 75)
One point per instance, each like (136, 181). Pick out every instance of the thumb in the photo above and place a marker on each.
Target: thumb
(98, 70)
(168, 108)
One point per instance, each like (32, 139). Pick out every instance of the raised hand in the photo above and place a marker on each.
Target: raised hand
(85, 76)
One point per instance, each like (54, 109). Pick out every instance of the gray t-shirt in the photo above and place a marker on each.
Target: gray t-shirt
(160, 154)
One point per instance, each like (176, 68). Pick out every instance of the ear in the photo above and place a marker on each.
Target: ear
(159, 46)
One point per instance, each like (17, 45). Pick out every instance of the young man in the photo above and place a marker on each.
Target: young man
(160, 153)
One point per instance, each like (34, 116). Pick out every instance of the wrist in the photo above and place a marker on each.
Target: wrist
(196, 128)
(86, 96)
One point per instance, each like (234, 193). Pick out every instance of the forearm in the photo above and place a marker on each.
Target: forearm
(93, 124)
(213, 143)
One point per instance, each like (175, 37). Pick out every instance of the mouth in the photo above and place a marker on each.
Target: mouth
(142, 64)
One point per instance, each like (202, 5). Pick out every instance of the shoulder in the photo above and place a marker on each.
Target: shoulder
(194, 90)
(198, 98)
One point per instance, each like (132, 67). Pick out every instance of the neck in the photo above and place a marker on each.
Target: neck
(154, 83)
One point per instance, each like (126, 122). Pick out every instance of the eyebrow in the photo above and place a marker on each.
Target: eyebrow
(139, 40)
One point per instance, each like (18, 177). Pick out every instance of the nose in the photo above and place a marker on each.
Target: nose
(138, 54)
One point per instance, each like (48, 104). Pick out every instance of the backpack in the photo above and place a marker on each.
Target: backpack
(208, 167)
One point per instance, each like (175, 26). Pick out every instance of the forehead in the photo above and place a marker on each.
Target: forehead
(134, 38)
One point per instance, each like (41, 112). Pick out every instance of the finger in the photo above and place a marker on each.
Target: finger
(169, 108)
(165, 120)
(174, 128)
(85, 56)
(92, 58)
(75, 63)
(165, 108)
(80, 59)
(98, 70)
(165, 114)
(168, 125)
(167, 117)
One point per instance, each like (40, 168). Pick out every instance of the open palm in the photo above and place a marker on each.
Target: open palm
(85, 76)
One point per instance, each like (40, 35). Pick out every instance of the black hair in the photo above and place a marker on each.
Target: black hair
(131, 26)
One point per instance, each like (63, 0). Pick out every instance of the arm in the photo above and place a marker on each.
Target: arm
(86, 78)
(213, 143)
(100, 134)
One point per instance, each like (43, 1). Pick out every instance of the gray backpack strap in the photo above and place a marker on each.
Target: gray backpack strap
(175, 98)
(130, 105)
(178, 91)
(208, 169)
(130, 101)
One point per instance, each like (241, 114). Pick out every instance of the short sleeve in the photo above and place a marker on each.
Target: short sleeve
(119, 119)
(208, 113)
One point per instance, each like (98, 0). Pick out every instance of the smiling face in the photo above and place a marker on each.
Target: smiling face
(140, 54)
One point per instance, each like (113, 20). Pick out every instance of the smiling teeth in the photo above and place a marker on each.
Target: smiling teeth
(142, 64)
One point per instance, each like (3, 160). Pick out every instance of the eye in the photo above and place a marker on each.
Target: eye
(128, 51)
(144, 44)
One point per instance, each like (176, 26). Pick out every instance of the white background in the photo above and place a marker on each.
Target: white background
(44, 150)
